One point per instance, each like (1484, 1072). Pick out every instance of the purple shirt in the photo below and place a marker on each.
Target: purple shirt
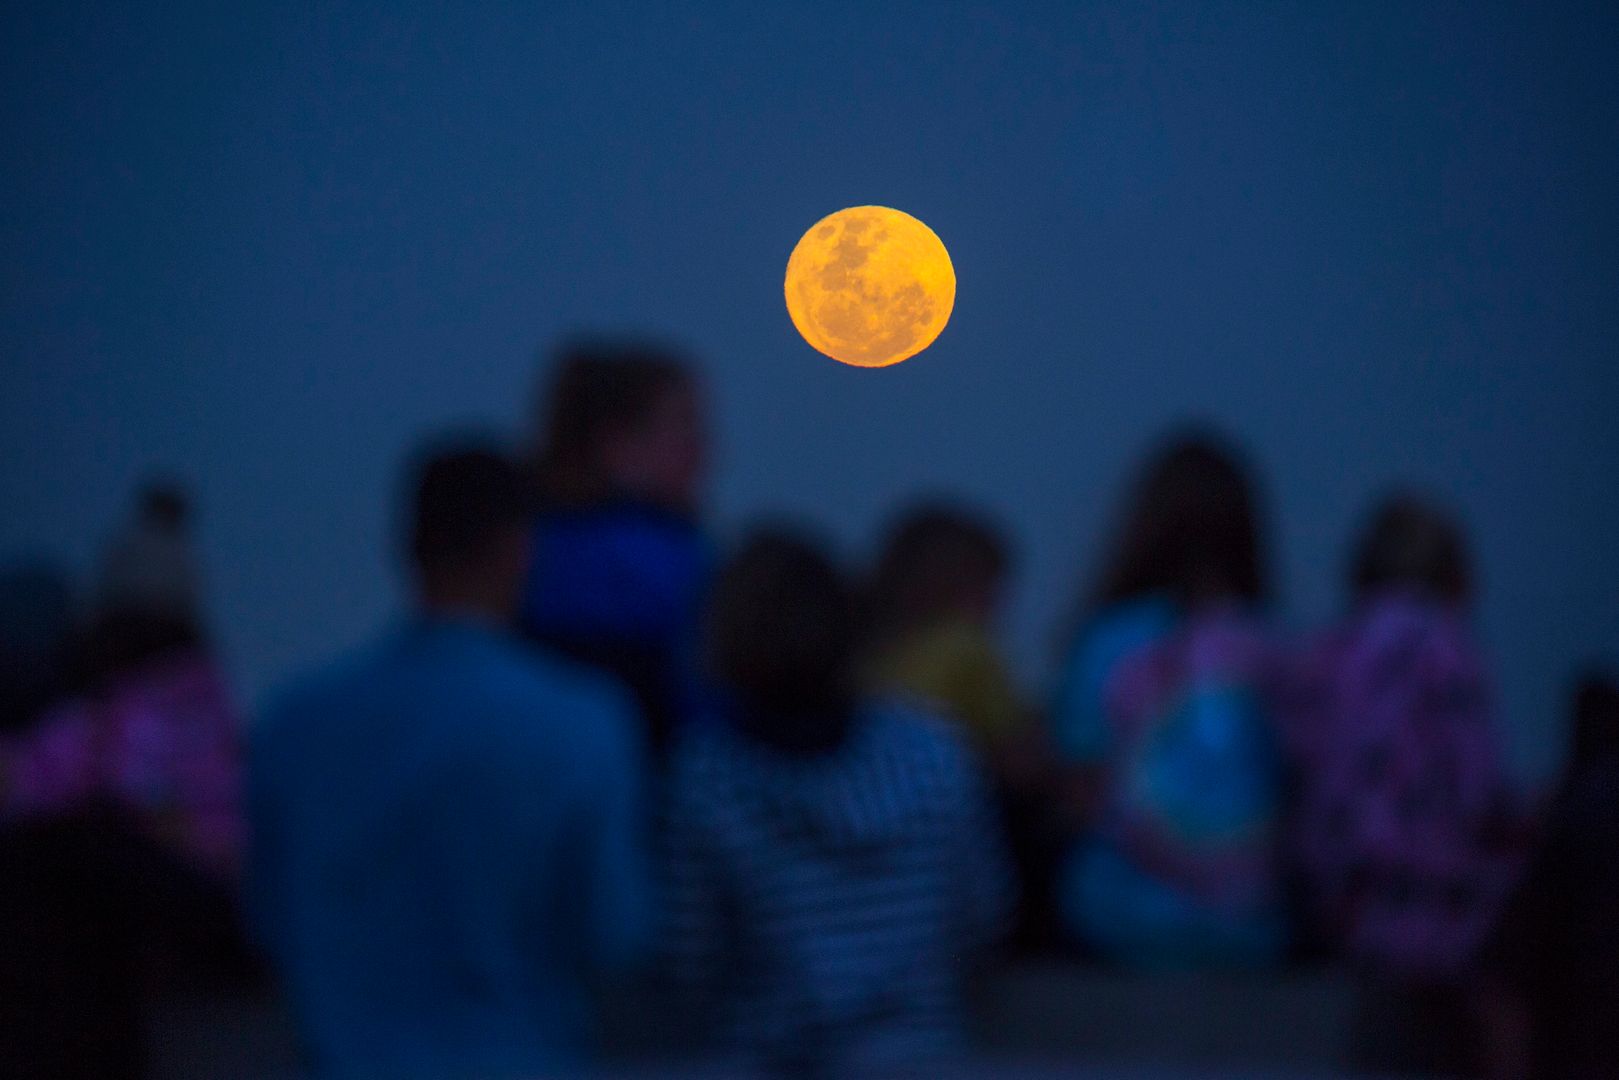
(163, 743)
(1405, 821)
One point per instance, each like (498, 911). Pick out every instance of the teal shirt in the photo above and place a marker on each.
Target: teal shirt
(446, 848)
(1208, 772)
(1079, 724)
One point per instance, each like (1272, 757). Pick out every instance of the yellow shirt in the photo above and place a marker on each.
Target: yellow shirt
(956, 666)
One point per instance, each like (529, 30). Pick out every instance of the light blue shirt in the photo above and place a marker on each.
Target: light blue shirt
(1079, 722)
(447, 849)
(1205, 773)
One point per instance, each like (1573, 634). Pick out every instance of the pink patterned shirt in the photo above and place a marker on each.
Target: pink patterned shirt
(1406, 829)
(162, 742)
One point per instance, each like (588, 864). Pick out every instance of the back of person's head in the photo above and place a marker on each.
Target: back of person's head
(147, 597)
(780, 635)
(1191, 530)
(36, 636)
(938, 561)
(1596, 719)
(164, 504)
(1411, 544)
(467, 534)
(621, 418)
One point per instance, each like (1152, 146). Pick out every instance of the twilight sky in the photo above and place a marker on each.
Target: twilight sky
(271, 249)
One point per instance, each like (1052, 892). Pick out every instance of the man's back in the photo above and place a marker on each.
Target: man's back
(446, 846)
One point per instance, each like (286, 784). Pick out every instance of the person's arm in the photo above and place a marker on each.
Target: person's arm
(691, 941)
(50, 768)
(209, 813)
(983, 866)
(1080, 736)
(263, 881)
(1001, 722)
(616, 877)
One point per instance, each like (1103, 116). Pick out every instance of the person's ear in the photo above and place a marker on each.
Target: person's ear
(509, 559)
(515, 551)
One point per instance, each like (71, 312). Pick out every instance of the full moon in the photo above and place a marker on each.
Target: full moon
(870, 286)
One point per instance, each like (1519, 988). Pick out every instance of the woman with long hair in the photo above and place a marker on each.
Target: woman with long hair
(1164, 726)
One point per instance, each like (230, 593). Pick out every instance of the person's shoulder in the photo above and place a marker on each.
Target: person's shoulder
(624, 518)
(1142, 614)
(321, 686)
(533, 674)
(933, 661)
(910, 731)
(957, 642)
(1397, 611)
(546, 697)
(307, 703)
(1122, 628)
(710, 766)
(709, 744)
(636, 566)
(1231, 635)
(675, 540)
(1397, 621)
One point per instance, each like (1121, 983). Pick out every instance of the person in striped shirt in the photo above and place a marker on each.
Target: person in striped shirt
(831, 864)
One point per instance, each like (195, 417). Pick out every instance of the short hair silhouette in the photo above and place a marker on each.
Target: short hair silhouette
(931, 553)
(598, 387)
(464, 497)
(780, 635)
(1411, 542)
(1192, 519)
(165, 502)
(1596, 719)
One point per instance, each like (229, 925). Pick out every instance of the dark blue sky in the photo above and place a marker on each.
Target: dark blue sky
(271, 248)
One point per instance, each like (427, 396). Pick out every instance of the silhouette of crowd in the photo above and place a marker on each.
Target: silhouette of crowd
(787, 804)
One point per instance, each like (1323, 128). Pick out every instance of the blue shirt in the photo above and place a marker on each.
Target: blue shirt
(447, 846)
(1188, 758)
(615, 571)
(617, 585)
(1079, 722)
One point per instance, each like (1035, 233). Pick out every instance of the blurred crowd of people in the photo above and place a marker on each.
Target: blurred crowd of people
(799, 799)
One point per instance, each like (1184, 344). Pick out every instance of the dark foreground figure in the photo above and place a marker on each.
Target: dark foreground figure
(832, 863)
(447, 846)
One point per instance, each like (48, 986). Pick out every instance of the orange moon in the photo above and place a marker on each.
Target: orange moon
(870, 286)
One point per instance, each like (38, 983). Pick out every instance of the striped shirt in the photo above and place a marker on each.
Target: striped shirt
(822, 908)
